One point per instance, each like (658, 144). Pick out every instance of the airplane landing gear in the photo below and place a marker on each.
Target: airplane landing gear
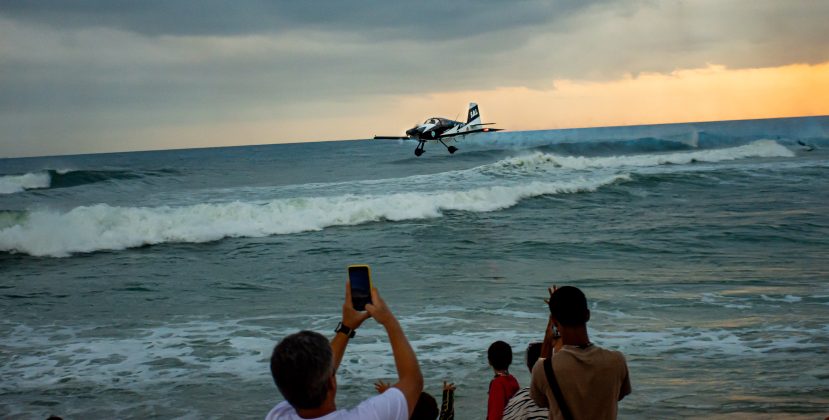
(419, 149)
(450, 149)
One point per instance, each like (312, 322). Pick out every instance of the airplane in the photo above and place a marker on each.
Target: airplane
(437, 129)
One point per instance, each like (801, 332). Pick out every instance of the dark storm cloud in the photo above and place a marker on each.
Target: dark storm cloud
(106, 66)
(427, 19)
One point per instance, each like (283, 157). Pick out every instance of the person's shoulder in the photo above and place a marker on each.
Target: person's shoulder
(520, 395)
(606, 352)
(613, 354)
(505, 380)
(538, 369)
(390, 404)
(521, 406)
(283, 410)
(613, 359)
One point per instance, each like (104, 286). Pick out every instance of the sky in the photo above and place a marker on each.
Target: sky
(87, 76)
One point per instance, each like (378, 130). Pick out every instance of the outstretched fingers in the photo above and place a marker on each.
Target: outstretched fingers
(550, 291)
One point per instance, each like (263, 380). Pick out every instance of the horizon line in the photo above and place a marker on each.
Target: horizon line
(369, 138)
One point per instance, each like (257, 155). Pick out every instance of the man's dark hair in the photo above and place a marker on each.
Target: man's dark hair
(533, 353)
(426, 408)
(499, 355)
(301, 365)
(569, 306)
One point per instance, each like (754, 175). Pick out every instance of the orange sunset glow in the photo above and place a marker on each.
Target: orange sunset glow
(85, 80)
(706, 94)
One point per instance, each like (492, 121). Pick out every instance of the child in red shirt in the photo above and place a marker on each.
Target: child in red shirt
(504, 386)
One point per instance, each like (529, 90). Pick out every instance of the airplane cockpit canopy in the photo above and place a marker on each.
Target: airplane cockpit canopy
(442, 122)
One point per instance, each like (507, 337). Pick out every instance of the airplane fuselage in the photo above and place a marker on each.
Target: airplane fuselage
(433, 129)
(443, 129)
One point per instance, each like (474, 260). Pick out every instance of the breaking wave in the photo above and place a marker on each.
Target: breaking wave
(104, 227)
(11, 184)
(316, 207)
(760, 148)
(65, 178)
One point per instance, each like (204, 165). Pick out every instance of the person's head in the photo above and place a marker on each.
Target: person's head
(533, 353)
(568, 307)
(499, 355)
(302, 366)
(426, 408)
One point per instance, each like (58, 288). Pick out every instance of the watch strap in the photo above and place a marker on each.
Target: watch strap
(341, 328)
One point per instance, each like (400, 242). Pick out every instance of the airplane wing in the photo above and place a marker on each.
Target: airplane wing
(477, 130)
(390, 138)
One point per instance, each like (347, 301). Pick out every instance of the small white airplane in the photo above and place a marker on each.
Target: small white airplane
(437, 129)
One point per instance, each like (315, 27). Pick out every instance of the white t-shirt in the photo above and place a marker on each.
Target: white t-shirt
(390, 405)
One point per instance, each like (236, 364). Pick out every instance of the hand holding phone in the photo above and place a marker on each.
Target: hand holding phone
(359, 278)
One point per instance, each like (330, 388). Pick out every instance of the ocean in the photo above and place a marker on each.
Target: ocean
(155, 284)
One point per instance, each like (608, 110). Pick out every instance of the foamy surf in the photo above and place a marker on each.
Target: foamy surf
(65, 178)
(105, 227)
(11, 184)
(538, 160)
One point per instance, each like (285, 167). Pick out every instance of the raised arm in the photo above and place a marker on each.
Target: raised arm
(447, 404)
(351, 319)
(410, 380)
(552, 341)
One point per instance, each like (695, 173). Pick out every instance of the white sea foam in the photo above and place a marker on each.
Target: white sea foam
(105, 227)
(683, 343)
(11, 184)
(760, 148)
(786, 299)
(731, 302)
(192, 350)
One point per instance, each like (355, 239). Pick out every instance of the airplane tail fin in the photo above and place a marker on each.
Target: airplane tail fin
(474, 116)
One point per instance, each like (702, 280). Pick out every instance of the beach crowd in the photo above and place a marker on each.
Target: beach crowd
(571, 379)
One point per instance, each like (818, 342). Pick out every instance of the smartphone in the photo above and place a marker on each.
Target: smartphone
(359, 276)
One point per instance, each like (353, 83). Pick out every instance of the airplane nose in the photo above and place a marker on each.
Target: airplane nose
(412, 132)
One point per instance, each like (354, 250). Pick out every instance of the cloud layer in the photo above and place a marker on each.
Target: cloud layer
(76, 75)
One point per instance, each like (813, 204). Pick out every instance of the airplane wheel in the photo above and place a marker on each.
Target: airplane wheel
(452, 149)
(418, 152)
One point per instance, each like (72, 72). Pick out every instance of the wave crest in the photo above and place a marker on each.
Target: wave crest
(104, 227)
(11, 184)
(538, 160)
(65, 178)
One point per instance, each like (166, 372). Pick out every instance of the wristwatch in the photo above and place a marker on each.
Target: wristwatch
(345, 330)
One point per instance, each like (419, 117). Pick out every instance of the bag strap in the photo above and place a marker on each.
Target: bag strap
(551, 379)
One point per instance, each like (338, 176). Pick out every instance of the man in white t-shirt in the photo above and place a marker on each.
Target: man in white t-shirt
(304, 367)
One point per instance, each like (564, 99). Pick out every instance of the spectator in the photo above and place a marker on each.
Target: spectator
(521, 406)
(581, 380)
(426, 407)
(504, 385)
(304, 367)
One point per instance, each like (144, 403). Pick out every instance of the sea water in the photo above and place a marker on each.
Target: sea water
(155, 284)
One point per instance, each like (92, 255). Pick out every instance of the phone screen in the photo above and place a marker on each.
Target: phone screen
(360, 279)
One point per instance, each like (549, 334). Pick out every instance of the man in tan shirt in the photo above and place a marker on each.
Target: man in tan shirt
(591, 379)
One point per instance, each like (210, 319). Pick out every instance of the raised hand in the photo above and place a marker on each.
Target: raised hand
(381, 386)
(378, 309)
(352, 318)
